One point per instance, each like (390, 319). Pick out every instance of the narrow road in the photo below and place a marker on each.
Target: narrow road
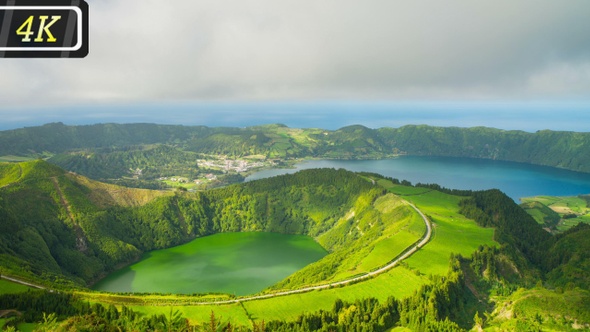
(21, 282)
(407, 253)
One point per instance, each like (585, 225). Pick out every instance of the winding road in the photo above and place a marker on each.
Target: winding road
(405, 254)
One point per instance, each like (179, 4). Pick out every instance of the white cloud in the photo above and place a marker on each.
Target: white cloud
(562, 80)
(143, 50)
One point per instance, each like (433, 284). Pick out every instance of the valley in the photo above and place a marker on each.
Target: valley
(393, 253)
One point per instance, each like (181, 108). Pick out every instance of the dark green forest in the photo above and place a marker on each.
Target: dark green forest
(561, 260)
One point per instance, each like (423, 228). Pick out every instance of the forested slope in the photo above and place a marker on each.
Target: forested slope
(561, 260)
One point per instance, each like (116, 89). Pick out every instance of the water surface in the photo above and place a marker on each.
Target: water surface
(234, 263)
(515, 179)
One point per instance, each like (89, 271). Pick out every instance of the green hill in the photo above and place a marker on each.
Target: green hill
(104, 151)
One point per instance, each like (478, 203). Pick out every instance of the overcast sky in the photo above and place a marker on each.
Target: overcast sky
(207, 52)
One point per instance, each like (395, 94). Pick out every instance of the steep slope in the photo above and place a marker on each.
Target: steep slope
(562, 260)
(45, 212)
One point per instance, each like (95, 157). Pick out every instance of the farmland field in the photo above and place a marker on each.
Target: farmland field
(571, 209)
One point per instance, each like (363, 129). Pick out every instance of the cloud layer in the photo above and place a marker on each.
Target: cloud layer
(263, 50)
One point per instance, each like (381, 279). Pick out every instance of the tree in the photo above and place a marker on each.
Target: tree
(174, 321)
(478, 321)
(258, 327)
(48, 324)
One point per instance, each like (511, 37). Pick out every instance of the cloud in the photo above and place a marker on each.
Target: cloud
(146, 50)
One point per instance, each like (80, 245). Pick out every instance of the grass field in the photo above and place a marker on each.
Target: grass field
(566, 207)
(22, 327)
(234, 313)
(398, 282)
(402, 227)
(9, 287)
(381, 254)
(27, 327)
(452, 233)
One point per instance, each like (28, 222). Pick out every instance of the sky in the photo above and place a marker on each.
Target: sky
(310, 63)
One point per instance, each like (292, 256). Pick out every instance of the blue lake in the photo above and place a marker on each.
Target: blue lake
(515, 179)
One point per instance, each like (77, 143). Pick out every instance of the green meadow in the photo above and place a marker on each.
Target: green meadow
(399, 282)
(452, 232)
(9, 287)
(198, 314)
(570, 210)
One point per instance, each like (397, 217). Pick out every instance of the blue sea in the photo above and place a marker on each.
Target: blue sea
(526, 116)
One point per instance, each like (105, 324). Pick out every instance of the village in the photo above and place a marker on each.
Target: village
(218, 169)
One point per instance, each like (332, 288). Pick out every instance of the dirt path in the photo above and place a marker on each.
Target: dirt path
(62, 199)
(7, 313)
(81, 243)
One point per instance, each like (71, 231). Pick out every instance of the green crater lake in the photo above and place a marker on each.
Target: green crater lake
(233, 263)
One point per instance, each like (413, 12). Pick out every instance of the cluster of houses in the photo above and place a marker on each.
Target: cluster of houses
(226, 165)
(230, 165)
(208, 177)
